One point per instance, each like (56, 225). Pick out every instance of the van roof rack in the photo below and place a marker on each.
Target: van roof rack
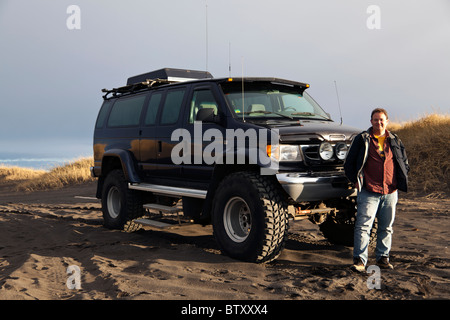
(171, 74)
(156, 78)
(135, 87)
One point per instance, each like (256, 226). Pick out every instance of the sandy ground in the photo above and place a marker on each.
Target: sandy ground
(42, 234)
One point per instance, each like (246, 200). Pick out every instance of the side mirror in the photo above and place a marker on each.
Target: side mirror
(207, 115)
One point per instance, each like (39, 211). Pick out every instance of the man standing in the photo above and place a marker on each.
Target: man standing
(378, 165)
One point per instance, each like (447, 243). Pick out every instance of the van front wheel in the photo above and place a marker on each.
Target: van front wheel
(250, 220)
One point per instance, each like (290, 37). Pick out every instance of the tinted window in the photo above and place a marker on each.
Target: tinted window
(152, 108)
(126, 112)
(102, 114)
(202, 99)
(172, 106)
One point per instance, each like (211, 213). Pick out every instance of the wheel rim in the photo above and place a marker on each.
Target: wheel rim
(237, 219)
(113, 202)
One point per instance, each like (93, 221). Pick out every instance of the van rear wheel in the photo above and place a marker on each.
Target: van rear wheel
(119, 204)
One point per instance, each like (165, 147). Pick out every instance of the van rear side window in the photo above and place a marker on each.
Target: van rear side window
(126, 112)
(103, 114)
(152, 108)
(172, 106)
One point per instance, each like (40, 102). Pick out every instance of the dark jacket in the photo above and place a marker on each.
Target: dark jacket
(357, 157)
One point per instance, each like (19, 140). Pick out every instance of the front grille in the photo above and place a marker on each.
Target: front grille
(311, 152)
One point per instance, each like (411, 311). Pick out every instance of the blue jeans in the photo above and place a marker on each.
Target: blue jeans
(371, 205)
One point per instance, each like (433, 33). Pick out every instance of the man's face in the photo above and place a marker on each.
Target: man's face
(379, 122)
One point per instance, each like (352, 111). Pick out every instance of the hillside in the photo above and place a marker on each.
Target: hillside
(427, 145)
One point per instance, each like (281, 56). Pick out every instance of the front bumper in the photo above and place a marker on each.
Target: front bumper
(315, 186)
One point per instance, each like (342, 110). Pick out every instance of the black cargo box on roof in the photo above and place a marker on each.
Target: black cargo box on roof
(170, 74)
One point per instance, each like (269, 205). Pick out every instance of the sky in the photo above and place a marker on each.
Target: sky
(393, 54)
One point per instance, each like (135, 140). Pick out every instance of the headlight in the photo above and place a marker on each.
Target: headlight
(341, 150)
(284, 152)
(326, 151)
(290, 153)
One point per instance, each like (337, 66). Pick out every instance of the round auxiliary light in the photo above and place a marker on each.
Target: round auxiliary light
(326, 151)
(341, 150)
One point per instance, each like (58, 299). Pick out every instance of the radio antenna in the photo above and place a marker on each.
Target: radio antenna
(206, 24)
(243, 104)
(339, 103)
(229, 59)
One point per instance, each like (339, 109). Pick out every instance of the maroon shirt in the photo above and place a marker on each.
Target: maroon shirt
(379, 171)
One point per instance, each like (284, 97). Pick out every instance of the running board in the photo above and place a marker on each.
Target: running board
(153, 223)
(161, 208)
(168, 191)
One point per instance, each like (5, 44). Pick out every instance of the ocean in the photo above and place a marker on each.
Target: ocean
(35, 161)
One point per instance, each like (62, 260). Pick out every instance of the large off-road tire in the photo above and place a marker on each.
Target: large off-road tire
(341, 232)
(119, 204)
(249, 218)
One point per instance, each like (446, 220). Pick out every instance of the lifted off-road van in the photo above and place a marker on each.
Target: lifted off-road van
(248, 155)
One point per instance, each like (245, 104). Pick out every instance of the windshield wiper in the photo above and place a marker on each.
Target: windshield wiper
(309, 114)
(302, 114)
(270, 112)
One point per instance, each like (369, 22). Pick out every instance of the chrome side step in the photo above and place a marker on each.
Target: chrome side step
(153, 223)
(161, 208)
(168, 191)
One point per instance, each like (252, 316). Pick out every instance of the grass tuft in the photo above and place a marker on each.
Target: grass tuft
(28, 180)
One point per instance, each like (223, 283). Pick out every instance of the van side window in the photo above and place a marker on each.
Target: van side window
(126, 112)
(152, 108)
(172, 106)
(103, 114)
(202, 99)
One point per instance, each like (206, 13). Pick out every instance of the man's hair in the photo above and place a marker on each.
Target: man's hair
(379, 110)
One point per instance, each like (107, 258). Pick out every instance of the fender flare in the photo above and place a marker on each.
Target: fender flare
(127, 161)
(127, 164)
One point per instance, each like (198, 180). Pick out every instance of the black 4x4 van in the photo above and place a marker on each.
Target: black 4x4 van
(246, 154)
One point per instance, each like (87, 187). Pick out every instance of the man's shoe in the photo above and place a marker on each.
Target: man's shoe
(383, 263)
(358, 265)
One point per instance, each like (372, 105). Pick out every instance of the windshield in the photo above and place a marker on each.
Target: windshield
(271, 100)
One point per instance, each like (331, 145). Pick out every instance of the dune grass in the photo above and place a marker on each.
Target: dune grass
(18, 174)
(427, 145)
(74, 172)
